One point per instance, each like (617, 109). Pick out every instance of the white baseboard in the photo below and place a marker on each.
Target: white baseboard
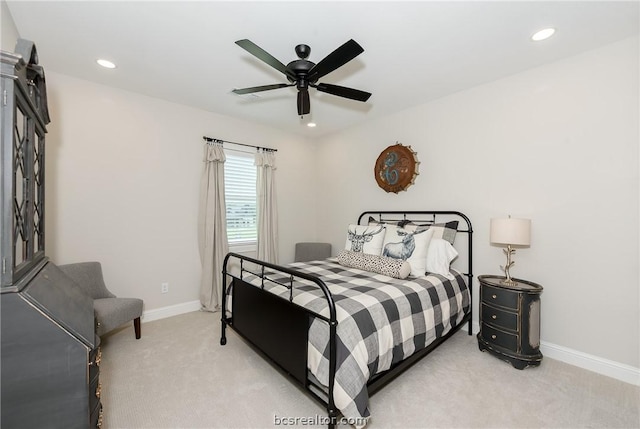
(171, 310)
(609, 368)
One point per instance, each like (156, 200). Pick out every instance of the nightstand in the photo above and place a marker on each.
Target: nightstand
(510, 320)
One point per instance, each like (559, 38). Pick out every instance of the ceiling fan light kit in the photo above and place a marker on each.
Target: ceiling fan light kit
(303, 73)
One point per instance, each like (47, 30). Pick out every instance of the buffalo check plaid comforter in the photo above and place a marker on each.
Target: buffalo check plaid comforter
(381, 321)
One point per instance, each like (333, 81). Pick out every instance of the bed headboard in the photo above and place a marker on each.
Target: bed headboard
(464, 236)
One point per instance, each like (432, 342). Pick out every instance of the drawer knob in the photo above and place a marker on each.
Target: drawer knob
(494, 317)
(493, 337)
(494, 296)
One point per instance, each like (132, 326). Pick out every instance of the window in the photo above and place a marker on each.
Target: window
(240, 196)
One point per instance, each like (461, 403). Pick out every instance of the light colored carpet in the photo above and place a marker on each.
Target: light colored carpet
(178, 376)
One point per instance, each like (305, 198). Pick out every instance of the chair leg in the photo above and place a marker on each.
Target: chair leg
(136, 327)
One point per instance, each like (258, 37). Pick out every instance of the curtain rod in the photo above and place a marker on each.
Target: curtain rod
(209, 140)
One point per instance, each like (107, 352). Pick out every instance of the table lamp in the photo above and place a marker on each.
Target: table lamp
(510, 232)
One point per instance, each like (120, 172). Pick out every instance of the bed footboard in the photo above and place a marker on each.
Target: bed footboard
(283, 329)
(277, 327)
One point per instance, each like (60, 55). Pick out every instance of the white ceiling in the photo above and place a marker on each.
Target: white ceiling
(415, 52)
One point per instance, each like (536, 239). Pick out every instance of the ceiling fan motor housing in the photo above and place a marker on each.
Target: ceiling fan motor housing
(301, 69)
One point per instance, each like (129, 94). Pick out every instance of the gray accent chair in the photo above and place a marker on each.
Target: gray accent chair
(312, 251)
(111, 312)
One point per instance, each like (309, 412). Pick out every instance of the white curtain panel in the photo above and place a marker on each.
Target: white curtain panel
(267, 207)
(212, 227)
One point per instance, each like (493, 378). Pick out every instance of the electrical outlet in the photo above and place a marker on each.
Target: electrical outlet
(164, 288)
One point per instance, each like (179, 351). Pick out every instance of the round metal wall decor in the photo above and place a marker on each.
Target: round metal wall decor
(396, 168)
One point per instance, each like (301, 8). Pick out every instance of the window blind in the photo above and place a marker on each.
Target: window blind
(240, 196)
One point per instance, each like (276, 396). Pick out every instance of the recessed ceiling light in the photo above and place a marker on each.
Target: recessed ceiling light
(106, 64)
(311, 124)
(543, 34)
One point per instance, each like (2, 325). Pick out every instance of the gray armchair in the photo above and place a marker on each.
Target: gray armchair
(110, 311)
(312, 251)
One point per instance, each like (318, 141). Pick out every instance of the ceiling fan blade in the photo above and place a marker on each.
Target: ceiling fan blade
(335, 59)
(264, 56)
(304, 106)
(341, 91)
(260, 88)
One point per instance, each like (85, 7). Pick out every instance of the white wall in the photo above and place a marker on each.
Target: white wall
(557, 144)
(9, 33)
(123, 173)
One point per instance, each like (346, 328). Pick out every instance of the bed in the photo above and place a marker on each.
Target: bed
(342, 332)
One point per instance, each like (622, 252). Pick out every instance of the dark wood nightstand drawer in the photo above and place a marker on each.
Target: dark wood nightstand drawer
(502, 297)
(499, 318)
(500, 338)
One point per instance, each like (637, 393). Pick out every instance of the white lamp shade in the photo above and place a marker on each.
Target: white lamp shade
(516, 232)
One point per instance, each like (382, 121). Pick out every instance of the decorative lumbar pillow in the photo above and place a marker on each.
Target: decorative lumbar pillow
(376, 264)
(446, 231)
(365, 239)
(439, 257)
(410, 246)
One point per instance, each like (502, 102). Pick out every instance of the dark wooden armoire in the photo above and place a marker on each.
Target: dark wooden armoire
(50, 355)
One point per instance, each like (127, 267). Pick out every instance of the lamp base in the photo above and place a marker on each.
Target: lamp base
(509, 282)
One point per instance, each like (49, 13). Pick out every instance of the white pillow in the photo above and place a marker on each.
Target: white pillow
(410, 246)
(365, 239)
(439, 257)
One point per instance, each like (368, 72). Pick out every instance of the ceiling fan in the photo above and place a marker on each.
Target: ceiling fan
(303, 73)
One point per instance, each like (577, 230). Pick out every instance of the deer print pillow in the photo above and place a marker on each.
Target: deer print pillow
(365, 239)
(410, 246)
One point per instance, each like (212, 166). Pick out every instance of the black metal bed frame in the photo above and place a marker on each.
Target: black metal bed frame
(278, 328)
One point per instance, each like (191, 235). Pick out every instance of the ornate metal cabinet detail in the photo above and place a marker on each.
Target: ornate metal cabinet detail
(49, 357)
(24, 118)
